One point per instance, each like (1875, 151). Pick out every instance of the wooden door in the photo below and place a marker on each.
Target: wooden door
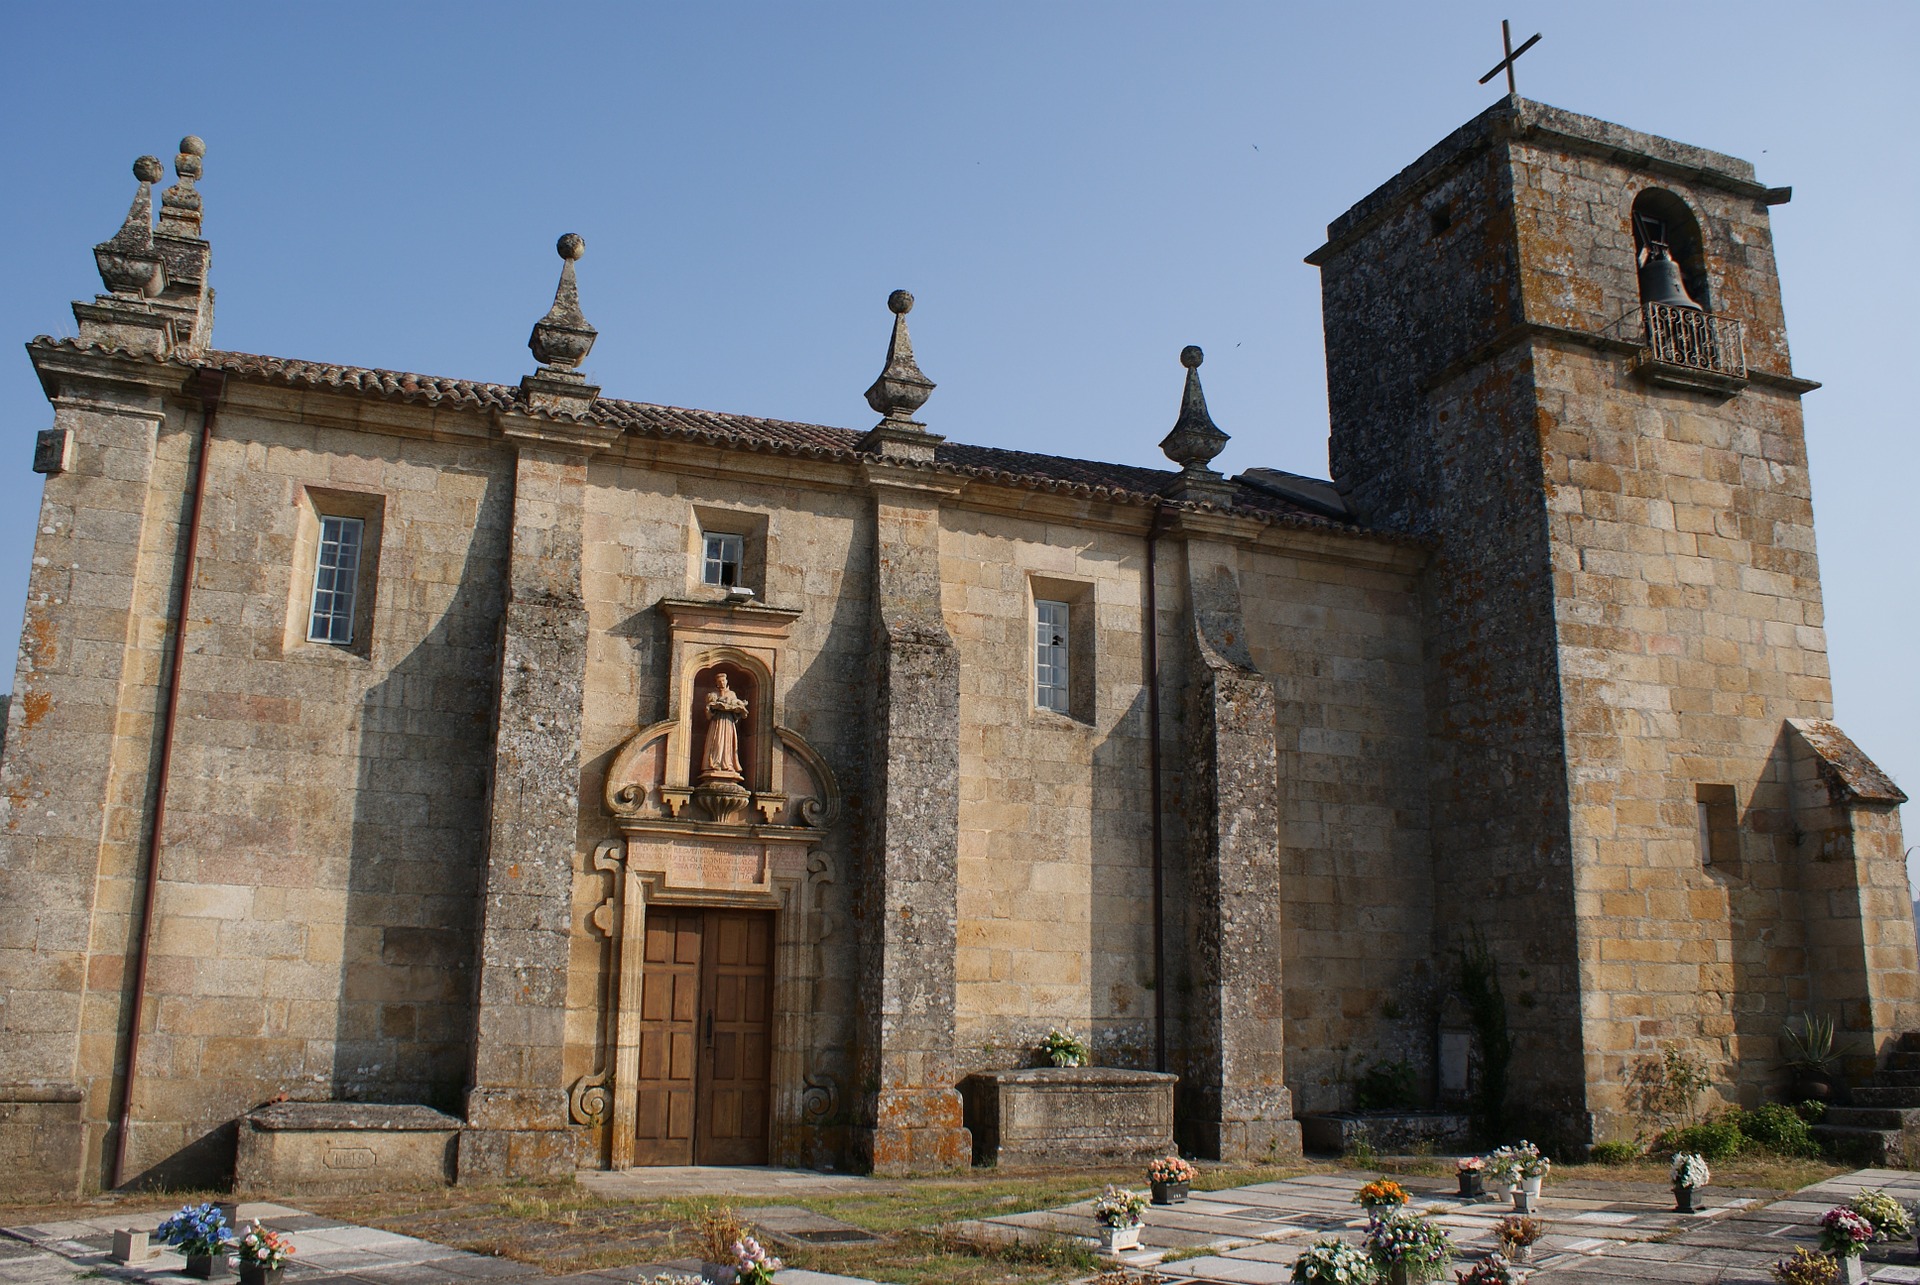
(736, 992)
(705, 1038)
(669, 1037)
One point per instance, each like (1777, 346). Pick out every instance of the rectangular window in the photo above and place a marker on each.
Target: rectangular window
(1719, 815)
(1050, 655)
(720, 564)
(336, 581)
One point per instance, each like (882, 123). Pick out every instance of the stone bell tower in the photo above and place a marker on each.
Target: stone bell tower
(1555, 347)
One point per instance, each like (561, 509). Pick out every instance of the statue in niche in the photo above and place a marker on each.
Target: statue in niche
(725, 712)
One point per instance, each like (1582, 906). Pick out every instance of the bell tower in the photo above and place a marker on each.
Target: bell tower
(1555, 347)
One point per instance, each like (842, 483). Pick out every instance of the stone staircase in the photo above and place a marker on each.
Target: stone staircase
(1882, 1126)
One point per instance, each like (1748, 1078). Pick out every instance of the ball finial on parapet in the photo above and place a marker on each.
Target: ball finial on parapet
(1195, 438)
(901, 388)
(900, 303)
(193, 145)
(562, 339)
(1191, 356)
(147, 169)
(571, 247)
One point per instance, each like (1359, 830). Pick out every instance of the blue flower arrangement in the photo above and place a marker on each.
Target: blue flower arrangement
(197, 1230)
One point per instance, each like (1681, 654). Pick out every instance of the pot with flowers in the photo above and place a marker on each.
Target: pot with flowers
(1888, 1216)
(202, 1234)
(1381, 1196)
(1472, 1173)
(753, 1265)
(1118, 1213)
(1494, 1269)
(1331, 1262)
(1407, 1248)
(1517, 1235)
(263, 1255)
(1171, 1179)
(1522, 1168)
(1846, 1235)
(1063, 1048)
(1688, 1174)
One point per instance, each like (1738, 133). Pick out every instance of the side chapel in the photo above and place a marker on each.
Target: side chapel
(641, 785)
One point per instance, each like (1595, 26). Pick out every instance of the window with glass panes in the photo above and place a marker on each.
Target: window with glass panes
(336, 581)
(1050, 655)
(721, 563)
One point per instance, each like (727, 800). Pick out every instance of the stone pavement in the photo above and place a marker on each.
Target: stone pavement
(1597, 1233)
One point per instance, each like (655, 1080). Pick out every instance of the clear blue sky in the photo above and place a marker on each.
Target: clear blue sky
(1073, 191)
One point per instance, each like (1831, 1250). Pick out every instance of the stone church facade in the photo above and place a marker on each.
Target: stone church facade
(644, 785)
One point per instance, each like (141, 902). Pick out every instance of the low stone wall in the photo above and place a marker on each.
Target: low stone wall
(298, 1148)
(1401, 1133)
(1066, 1117)
(41, 1139)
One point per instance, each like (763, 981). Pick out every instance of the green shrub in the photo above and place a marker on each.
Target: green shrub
(1717, 1139)
(1614, 1153)
(1810, 1111)
(1778, 1129)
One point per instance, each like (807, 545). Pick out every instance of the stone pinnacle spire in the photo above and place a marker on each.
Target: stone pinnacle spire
(1196, 439)
(562, 339)
(900, 391)
(129, 266)
(180, 204)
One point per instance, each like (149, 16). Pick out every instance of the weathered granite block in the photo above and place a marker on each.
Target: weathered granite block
(1059, 1117)
(1337, 1132)
(41, 1136)
(296, 1148)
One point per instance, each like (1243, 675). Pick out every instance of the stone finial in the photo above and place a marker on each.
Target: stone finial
(128, 264)
(562, 339)
(901, 389)
(180, 204)
(1195, 438)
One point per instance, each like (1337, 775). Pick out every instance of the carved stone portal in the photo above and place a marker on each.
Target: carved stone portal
(717, 805)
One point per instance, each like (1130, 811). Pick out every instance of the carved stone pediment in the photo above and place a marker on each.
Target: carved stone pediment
(799, 790)
(722, 764)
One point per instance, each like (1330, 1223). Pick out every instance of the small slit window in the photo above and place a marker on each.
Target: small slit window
(1719, 817)
(721, 558)
(1051, 650)
(336, 581)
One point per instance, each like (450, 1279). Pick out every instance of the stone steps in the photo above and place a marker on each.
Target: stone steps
(1871, 1117)
(1887, 1095)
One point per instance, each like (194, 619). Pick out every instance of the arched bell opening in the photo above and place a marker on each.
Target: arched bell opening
(1669, 251)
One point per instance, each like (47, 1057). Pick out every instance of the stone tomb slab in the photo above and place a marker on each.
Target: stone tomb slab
(1069, 1116)
(320, 1147)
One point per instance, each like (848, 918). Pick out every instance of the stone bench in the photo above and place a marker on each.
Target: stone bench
(300, 1148)
(1070, 1116)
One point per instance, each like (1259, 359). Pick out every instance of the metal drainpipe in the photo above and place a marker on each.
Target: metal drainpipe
(210, 385)
(1152, 641)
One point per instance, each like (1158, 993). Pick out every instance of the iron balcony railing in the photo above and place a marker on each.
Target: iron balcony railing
(1696, 340)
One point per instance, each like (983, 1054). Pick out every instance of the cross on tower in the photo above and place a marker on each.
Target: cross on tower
(1506, 64)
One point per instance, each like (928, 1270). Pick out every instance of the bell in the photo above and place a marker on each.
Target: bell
(1660, 280)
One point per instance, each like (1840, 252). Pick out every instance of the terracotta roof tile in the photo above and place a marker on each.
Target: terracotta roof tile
(1122, 483)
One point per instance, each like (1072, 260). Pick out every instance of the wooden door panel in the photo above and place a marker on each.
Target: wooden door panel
(669, 1036)
(734, 1073)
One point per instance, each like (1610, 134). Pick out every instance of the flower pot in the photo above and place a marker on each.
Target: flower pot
(254, 1274)
(1115, 1239)
(1171, 1193)
(1532, 1185)
(1524, 1201)
(1473, 1184)
(1683, 1200)
(1400, 1274)
(1853, 1269)
(1521, 1253)
(1812, 1088)
(209, 1267)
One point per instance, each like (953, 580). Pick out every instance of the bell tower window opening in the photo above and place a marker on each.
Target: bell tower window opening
(720, 563)
(336, 581)
(1665, 229)
(1051, 636)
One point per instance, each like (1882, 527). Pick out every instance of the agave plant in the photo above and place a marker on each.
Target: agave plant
(1810, 1045)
